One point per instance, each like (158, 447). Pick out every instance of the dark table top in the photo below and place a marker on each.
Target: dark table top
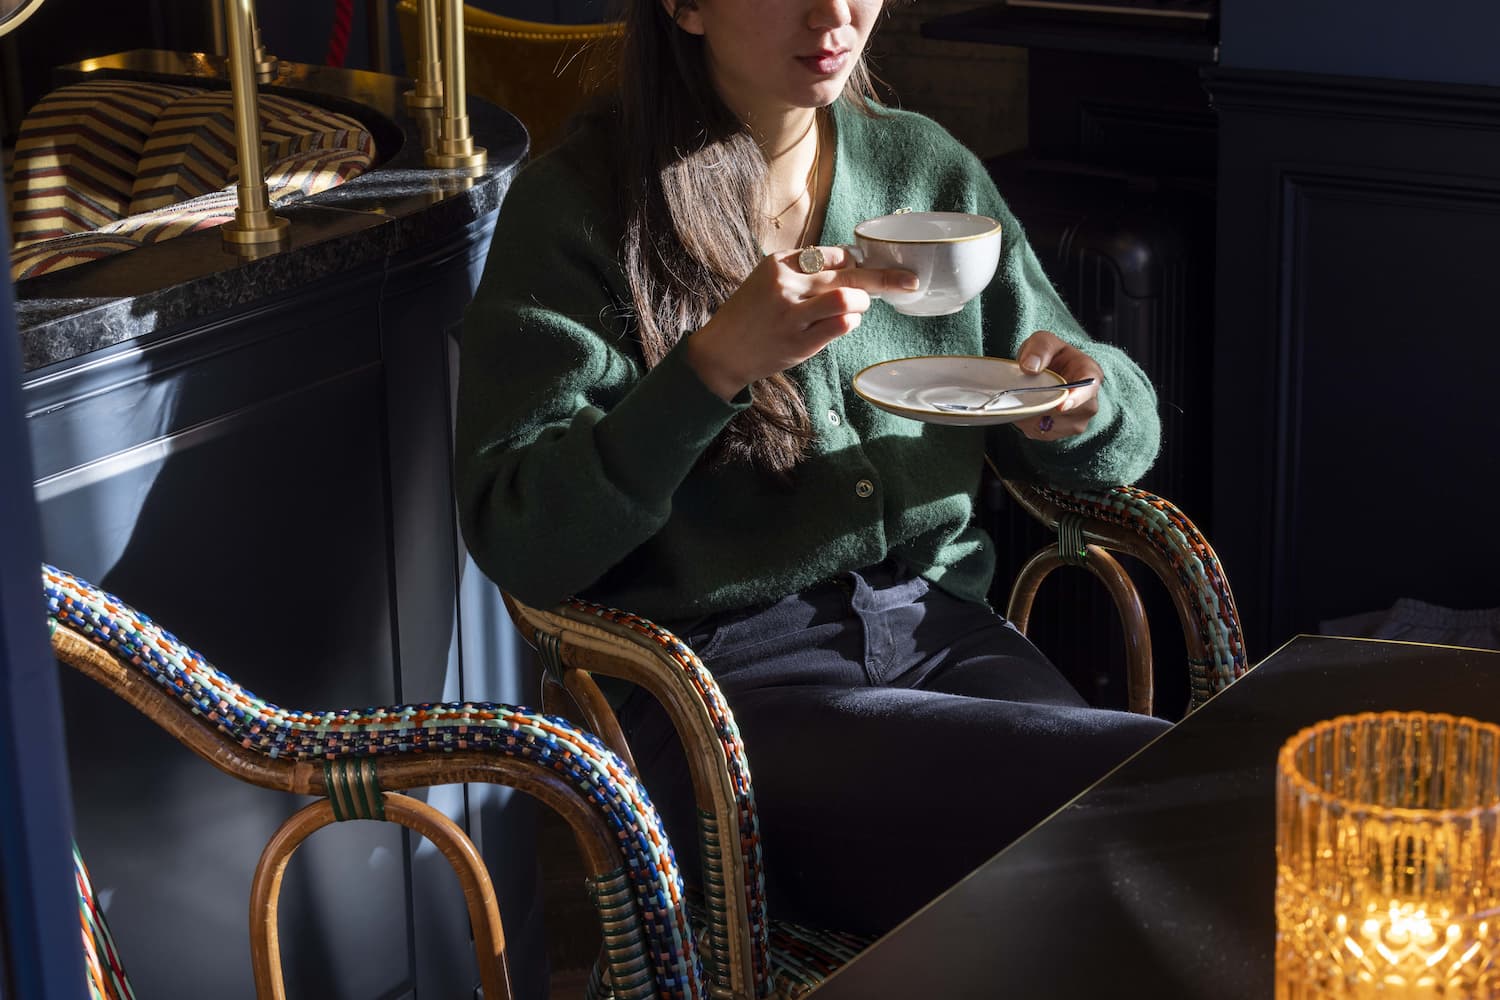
(1158, 881)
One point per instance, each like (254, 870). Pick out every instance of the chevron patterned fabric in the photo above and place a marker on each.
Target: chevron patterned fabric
(306, 173)
(111, 165)
(133, 231)
(67, 251)
(78, 153)
(191, 149)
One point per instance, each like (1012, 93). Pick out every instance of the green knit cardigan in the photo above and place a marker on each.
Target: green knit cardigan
(578, 471)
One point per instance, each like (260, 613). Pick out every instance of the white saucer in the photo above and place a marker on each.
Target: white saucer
(910, 387)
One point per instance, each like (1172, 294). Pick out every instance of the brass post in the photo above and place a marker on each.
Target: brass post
(254, 224)
(264, 62)
(429, 89)
(455, 146)
(216, 41)
(378, 27)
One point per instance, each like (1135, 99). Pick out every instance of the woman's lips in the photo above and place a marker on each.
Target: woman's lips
(825, 63)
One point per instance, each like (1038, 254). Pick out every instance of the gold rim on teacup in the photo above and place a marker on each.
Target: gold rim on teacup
(994, 228)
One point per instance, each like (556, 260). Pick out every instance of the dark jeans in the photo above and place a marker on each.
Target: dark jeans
(897, 737)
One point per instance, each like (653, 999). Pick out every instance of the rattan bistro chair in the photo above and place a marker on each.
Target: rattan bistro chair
(749, 955)
(357, 760)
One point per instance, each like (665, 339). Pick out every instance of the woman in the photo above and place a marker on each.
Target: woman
(655, 413)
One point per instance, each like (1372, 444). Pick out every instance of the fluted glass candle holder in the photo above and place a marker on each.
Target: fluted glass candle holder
(1388, 863)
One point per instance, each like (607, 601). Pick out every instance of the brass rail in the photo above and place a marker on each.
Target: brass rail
(254, 229)
(455, 147)
(429, 89)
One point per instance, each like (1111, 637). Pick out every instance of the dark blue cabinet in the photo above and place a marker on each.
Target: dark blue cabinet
(257, 454)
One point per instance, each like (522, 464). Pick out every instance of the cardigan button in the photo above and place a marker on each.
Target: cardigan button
(834, 418)
(864, 488)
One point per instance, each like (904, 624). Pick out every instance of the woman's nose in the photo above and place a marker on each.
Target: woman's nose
(825, 14)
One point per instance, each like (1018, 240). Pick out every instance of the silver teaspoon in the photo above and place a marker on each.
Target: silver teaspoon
(975, 407)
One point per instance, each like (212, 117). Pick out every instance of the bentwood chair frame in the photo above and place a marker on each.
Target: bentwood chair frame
(747, 954)
(357, 761)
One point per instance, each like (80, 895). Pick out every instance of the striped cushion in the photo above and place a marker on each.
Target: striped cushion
(78, 153)
(184, 167)
(66, 251)
(307, 173)
(191, 150)
(293, 178)
(133, 231)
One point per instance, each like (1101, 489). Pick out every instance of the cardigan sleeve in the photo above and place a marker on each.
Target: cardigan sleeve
(1123, 438)
(567, 454)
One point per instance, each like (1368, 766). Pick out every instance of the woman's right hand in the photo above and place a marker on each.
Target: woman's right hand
(780, 317)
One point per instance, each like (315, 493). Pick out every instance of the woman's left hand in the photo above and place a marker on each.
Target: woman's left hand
(1072, 415)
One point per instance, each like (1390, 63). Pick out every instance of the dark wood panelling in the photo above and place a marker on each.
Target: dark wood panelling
(1447, 40)
(1357, 233)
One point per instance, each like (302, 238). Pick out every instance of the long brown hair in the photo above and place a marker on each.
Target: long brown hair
(693, 183)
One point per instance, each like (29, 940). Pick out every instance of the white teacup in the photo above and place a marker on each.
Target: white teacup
(953, 255)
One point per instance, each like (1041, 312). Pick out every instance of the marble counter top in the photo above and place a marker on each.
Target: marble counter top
(396, 206)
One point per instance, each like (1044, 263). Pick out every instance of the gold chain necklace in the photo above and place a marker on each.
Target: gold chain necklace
(812, 185)
(776, 219)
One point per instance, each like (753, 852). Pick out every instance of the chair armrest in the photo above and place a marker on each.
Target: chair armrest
(1141, 524)
(580, 637)
(397, 747)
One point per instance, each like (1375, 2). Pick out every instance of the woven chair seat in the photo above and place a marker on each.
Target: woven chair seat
(259, 726)
(802, 957)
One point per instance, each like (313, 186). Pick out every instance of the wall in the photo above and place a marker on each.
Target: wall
(977, 92)
(1359, 198)
(1445, 41)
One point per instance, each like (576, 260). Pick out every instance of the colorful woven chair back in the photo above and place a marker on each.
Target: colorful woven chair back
(106, 973)
(748, 832)
(1217, 651)
(667, 956)
(781, 960)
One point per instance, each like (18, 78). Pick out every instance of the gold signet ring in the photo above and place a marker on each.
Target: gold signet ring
(810, 260)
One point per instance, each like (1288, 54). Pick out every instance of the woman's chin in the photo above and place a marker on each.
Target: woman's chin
(823, 94)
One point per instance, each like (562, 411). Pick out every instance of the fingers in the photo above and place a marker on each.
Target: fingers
(1038, 350)
(834, 259)
(875, 280)
(1044, 349)
(1054, 425)
(834, 327)
(841, 270)
(1078, 398)
(834, 301)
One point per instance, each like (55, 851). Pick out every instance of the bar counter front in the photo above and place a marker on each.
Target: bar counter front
(257, 449)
